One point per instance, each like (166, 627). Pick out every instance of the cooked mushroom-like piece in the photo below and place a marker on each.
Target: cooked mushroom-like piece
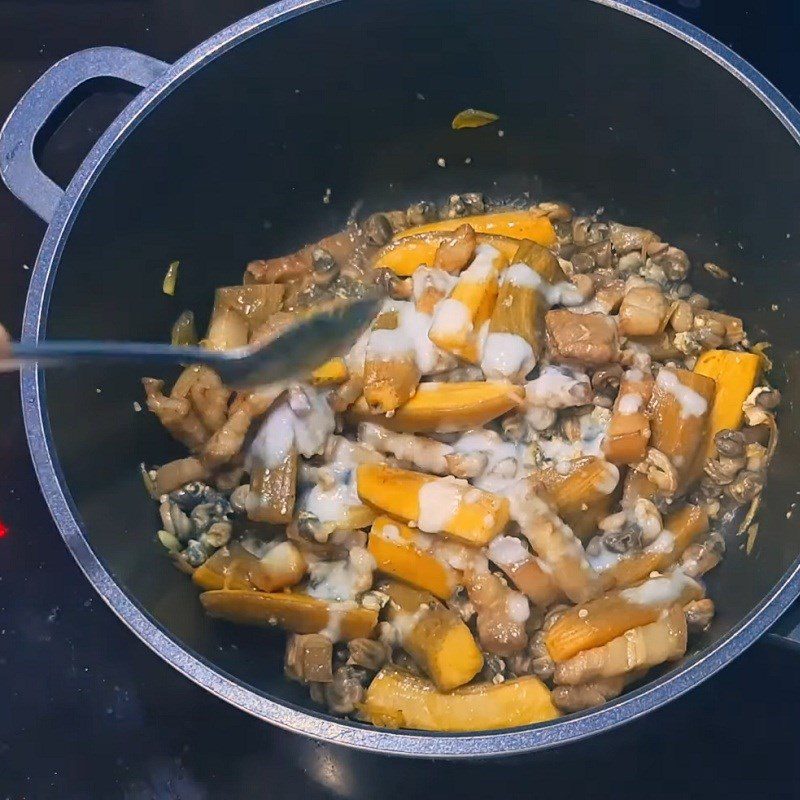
(642, 311)
(589, 339)
(309, 658)
(457, 251)
(502, 613)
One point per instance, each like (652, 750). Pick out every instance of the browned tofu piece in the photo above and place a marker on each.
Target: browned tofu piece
(581, 338)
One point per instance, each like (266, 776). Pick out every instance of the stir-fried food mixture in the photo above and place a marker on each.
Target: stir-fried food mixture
(498, 506)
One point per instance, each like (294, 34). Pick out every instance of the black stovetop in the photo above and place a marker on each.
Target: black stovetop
(88, 711)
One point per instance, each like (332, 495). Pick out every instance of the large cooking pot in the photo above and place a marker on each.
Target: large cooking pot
(226, 155)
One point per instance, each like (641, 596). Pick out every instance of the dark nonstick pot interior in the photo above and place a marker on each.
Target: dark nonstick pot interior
(597, 108)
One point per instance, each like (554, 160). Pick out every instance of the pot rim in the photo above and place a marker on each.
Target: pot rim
(320, 726)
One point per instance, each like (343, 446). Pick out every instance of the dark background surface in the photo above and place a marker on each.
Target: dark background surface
(88, 711)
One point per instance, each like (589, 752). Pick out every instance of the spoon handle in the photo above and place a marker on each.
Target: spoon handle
(70, 352)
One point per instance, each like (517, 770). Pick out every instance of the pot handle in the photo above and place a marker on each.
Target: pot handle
(18, 167)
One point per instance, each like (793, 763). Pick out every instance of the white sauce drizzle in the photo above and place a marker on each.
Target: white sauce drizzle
(505, 460)
(438, 503)
(507, 551)
(593, 429)
(522, 275)
(629, 403)
(517, 607)
(283, 429)
(389, 345)
(451, 318)
(354, 360)
(691, 402)
(558, 387)
(409, 340)
(483, 266)
(507, 355)
(659, 591)
(392, 534)
(459, 556)
(563, 294)
(331, 505)
(342, 580)
(425, 278)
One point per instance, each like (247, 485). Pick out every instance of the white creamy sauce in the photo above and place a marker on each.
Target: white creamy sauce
(472, 496)
(409, 340)
(692, 404)
(424, 540)
(559, 451)
(451, 318)
(389, 345)
(505, 460)
(601, 558)
(345, 454)
(629, 403)
(659, 591)
(333, 630)
(483, 266)
(404, 622)
(522, 275)
(354, 360)
(563, 294)
(336, 613)
(506, 551)
(416, 327)
(608, 482)
(342, 580)
(275, 438)
(593, 429)
(594, 426)
(558, 387)
(392, 534)
(283, 429)
(526, 506)
(438, 503)
(507, 355)
(649, 523)
(312, 430)
(517, 607)
(331, 505)
(663, 543)
(425, 278)
(458, 556)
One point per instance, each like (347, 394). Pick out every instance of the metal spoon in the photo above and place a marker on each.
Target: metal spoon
(293, 352)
